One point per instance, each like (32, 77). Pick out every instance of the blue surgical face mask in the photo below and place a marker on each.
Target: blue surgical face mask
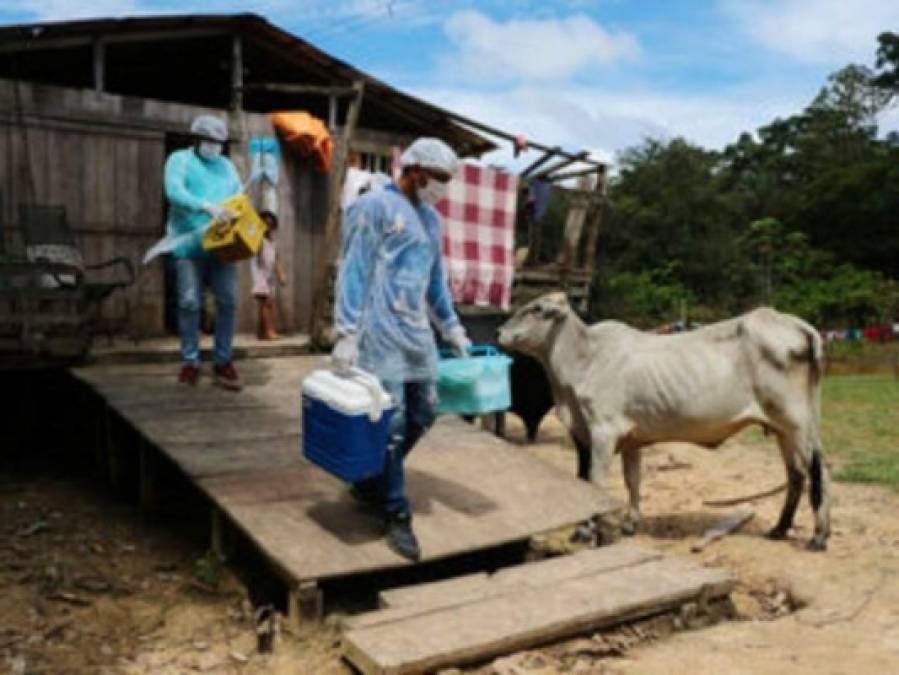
(209, 149)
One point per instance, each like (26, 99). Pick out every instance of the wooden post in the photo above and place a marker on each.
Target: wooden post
(595, 222)
(148, 474)
(100, 442)
(499, 424)
(305, 603)
(320, 295)
(332, 113)
(114, 469)
(221, 539)
(99, 66)
(236, 73)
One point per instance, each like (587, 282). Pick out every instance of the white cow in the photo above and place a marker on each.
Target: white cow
(619, 389)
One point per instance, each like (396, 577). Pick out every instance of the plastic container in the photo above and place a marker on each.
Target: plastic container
(240, 238)
(476, 385)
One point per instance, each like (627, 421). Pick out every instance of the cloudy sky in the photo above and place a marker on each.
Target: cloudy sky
(586, 74)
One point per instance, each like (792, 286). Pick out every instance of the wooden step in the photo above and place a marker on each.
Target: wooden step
(408, 601)
(525, 614)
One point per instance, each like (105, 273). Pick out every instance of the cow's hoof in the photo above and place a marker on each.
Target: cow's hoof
(628, 528)
(777, 533)
(817, 544)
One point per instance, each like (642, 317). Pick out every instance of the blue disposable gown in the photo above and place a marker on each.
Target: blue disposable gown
(190, 182)
(391, 282)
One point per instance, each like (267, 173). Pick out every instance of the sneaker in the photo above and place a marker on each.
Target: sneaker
(226, 377)
(189, 374)
(400, 537)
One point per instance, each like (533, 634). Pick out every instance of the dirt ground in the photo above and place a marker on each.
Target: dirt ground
(91, 586)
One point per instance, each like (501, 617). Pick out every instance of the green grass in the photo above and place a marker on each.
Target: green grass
(861, 428)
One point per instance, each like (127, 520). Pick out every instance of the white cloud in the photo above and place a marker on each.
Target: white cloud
(607, 122)
(64, 10)
(817, 31)
(338, 16)
(548, 49)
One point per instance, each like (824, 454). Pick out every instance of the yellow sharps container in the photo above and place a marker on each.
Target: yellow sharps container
(241, 237)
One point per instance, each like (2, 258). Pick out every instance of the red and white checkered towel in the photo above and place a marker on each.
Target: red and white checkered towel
(478, 235)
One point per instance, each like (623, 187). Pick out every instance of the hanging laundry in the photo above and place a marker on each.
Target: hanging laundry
(306, 135)
(540, 191)
(265, 155)
(265, 161)
(478, 235)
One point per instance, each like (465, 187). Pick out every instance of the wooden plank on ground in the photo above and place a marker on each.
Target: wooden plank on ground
(435, 593)
(527, 617)
(408, 601)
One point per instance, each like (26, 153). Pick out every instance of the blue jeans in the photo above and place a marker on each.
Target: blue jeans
(415, 403)
(223, 279)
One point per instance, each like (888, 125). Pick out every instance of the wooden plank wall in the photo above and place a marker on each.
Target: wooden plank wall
(102, 158)
(302, 205)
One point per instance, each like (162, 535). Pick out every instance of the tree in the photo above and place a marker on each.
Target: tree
(666, 209)
(887, 62)
(776, 256)
(801, 213)
(853, 100)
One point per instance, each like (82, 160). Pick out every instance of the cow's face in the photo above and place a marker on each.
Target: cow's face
(531, 328)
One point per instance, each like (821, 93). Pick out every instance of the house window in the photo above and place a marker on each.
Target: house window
(374, 162)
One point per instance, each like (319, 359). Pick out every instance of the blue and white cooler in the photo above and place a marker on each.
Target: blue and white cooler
(345, 423)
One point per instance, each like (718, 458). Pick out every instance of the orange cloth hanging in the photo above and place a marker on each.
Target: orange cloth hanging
(305, 135)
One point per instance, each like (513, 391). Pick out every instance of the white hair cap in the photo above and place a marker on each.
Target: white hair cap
(430, 153)
(209, 127)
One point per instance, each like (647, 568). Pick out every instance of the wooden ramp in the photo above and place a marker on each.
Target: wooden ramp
(469, 489)
(121, 350)
(477, 617)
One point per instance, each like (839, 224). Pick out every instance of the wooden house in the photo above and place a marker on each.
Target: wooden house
(89, 110)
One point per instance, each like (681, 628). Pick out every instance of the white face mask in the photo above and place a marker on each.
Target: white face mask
(209, 149)
(432, 192)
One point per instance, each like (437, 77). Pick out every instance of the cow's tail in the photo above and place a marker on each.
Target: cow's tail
(815, 358)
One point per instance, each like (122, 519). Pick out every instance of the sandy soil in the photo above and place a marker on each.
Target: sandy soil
(846, 601)
(88, 585)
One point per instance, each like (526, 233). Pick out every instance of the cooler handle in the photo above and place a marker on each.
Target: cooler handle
(373, 384)
(474, 350)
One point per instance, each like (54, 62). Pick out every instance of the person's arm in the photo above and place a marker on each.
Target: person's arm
(362, 229)
(176, 184)
(439, 297)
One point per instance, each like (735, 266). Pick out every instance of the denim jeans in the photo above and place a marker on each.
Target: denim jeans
(415, 404)
(223, 279)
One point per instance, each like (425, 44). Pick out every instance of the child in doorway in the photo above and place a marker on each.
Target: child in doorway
(266, 269)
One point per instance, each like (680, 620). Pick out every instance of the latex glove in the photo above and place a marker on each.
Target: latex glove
(459, 341)
(218, 213)
(345, 353)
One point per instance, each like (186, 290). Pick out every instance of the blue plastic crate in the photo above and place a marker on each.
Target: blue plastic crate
(343, 432)
(476, 385)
